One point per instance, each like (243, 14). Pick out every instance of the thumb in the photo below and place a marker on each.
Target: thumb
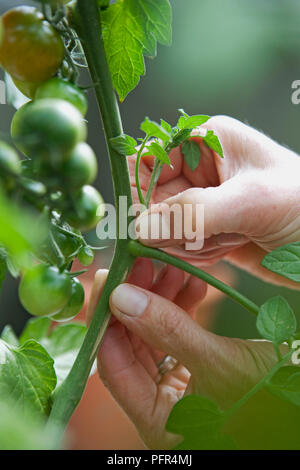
(165, 326)
(196, 214)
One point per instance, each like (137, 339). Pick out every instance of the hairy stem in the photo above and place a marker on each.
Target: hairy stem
(136, 249)
(87, 23)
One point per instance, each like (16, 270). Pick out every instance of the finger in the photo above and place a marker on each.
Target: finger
(99, 282)
(190, 297)
(164, 326)
(168, 173)
(142, 273)
(169, 284)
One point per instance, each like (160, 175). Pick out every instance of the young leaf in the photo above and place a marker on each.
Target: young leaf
(157, 151)
(199, 420)
(166, 126)
(152, 129)
(276, 320)
(8, 335)
(213, 143)
(192, 153)
(62, 343)
(131, 28)
(285, 261)
(179, 136)
(190, 122)
(27, 375)
(124, 144)
(285, 384)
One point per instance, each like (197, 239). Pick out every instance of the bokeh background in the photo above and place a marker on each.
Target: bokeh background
(234, 57)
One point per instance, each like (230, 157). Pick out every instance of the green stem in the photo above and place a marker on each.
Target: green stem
(257, 387)
(138, 250)
(87, 23)
(137, 167)
(154, 177)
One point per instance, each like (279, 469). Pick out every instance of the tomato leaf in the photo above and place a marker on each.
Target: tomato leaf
(285, 261)
(27, 375)
(285, 384)
(190, 122)
(132, 28)
(153, 129)
(124, 144)
(276, 320)
(192, 153)
(8, 335)
(157, 151)
(62, 343)
(199, 420)
(166, 126)
(213, 143)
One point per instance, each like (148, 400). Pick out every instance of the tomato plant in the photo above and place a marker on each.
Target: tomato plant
(46, 201)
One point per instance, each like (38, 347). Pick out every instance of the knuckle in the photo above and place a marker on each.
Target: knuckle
(190, 196)
(170, 324)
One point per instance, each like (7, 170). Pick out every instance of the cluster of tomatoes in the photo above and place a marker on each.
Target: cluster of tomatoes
(58, 167)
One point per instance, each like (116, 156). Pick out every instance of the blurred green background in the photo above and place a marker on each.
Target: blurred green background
(235, 57)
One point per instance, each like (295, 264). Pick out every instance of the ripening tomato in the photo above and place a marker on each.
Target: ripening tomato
(48, 128)
(31, 49)
(44, 290)
(81, 166)
(88, 209)
(74, 304)
(64, 90)
(27, 88)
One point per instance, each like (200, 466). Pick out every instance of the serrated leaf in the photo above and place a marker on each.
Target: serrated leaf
(199, 420)
(8, 335)
(276, 320)
(124, 144)
(36, 329)
(190, 122)
(13, 95)
(157, 151)
(179, 136)
(192, 153)
(153, 129)
(62, 343)
(27, 375)
(131, 28)
(213, 143)
(166, 126)
(285, 384)
(285, 261)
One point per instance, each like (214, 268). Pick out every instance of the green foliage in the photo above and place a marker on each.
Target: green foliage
(285, 384)
(192, 153)
(152, 129)
(131, 29)
(27, 376)
(124, 144)
(213, 143)
(285, 261)
(200, 422)
(276, 320)
(157, 151)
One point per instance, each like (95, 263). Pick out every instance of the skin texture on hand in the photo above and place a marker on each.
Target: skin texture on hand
(250, 197)
(251, 207)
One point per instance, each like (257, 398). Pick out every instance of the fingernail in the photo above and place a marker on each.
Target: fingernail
(129, 300)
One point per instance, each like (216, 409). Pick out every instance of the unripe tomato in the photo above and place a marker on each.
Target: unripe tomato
(31, 49)
(88, 210)
(74, 305)
(48, 128)
(44, 290)
(27, 88)
(64, 90)
(86, 256)
(81, 166)
(9, 159)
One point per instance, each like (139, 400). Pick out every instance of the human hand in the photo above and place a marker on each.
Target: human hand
(147, 325)
(250, 197)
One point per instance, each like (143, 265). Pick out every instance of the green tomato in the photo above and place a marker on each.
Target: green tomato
(44, 290)
(86, 256)
(64, 90)
(74, 305)
(27, 88)
(48, 128)
(88, 209)
(9, 159)
(31, 49)
(81, 167)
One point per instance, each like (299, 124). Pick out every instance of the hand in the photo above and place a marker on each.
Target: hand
(147, 325)
(251, 197)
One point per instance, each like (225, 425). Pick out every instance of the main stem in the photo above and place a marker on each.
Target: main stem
(86, 18)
